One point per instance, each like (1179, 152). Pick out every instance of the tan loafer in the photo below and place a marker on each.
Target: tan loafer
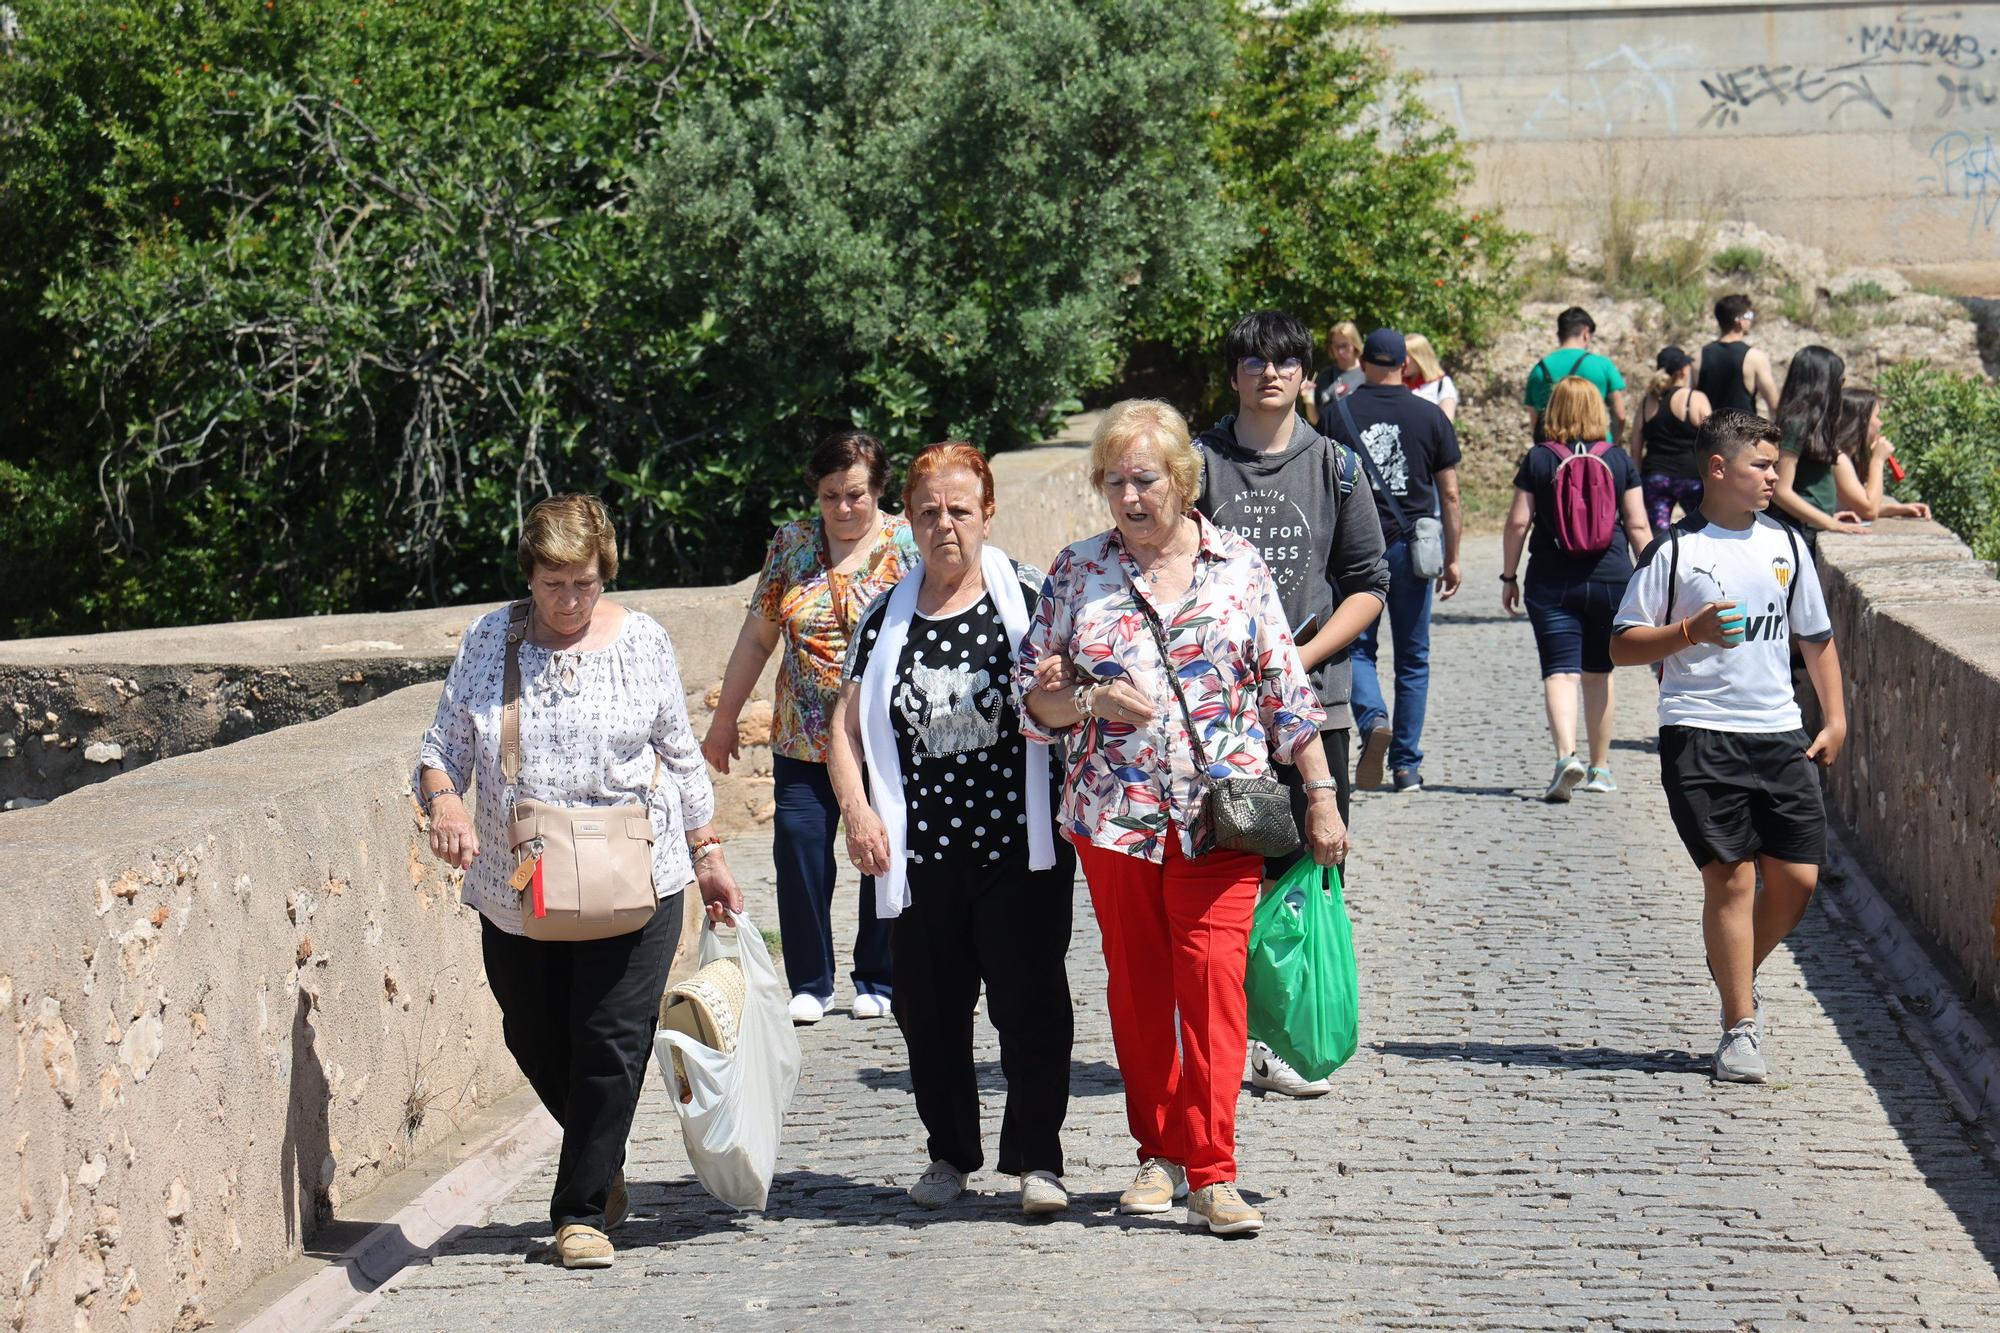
(1222, 1210)
(617, 1202)
(1155, 1188)
(583, 1247)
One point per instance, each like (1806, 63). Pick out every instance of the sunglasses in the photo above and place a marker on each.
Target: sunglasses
(1257, 365)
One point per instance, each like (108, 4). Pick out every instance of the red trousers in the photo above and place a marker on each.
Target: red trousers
(1176, 937)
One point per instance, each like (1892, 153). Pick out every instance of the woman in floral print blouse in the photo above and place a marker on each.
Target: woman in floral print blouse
(1175, 926)
(820, 574)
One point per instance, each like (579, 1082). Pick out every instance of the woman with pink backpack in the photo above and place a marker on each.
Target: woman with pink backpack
(1579, 510)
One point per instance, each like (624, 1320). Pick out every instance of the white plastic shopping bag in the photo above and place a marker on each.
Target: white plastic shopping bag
(735, 1102)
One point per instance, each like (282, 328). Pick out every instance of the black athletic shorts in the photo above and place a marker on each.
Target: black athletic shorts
(1335, 745)
(1739, 794)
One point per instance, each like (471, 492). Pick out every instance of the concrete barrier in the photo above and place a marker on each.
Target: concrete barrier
(1918, 624)
(243, 992)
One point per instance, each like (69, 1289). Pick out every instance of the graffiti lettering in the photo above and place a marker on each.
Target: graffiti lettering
(1968, 170)
(1733, 92)
(1907, 37)
(1964, 94)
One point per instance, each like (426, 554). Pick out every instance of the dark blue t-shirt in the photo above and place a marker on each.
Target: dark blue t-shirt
(1547, 561)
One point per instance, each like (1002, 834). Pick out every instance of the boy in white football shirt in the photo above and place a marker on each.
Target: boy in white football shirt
(1718, 601)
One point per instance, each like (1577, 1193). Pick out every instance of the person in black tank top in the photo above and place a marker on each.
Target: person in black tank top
(1728, 361)
(1669, 419)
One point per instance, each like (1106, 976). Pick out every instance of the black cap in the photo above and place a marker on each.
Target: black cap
(1385, 348)
(1671, 359)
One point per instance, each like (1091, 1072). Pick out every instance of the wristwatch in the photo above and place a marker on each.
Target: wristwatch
(1322, 784)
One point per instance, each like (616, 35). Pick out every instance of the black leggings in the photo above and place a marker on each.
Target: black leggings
(579, 1019)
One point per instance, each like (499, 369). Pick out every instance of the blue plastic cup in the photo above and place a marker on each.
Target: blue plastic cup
(1731, 617)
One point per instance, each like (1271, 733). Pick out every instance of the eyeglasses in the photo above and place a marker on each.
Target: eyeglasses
(1257, 365)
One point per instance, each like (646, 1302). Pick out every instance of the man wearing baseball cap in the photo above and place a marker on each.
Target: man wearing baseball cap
(1411, 454)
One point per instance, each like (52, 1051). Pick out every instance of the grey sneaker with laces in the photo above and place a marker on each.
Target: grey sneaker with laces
(1598, 779)
(940, 1183)
(1222, 1210)
(1156, 1187)
(1043, 1192)
(1569, 772)
(1740, 1057)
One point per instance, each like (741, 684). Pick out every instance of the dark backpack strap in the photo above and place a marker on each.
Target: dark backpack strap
(1673, 571)
(1792, 588)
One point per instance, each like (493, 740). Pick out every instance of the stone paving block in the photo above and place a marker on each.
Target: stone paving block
(1527, 1138)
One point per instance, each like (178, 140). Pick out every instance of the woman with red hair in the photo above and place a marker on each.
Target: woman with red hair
(954, 823)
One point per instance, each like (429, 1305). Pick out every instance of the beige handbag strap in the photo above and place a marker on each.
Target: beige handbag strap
(510, 693)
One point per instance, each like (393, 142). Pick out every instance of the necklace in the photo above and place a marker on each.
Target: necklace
(1167, 558)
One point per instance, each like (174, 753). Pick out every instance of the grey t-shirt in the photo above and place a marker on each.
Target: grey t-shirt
(1322, 545)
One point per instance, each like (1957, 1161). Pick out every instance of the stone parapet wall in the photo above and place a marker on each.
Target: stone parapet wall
(1917, 620)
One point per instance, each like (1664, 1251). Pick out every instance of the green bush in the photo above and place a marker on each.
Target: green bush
(1746, 260)
(303, 304)
(1946, 428)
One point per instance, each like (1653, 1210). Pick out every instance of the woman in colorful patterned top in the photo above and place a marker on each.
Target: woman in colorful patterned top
(1176, 926)
(819, 575)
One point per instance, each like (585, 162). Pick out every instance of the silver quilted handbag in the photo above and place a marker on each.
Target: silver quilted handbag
(1236, 814)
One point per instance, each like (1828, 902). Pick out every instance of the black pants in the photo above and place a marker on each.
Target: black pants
(1335, 744)
(1009, 926)
(579, 1019)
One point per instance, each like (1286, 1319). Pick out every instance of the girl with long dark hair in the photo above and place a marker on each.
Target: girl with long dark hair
(1808, 415)
(1863, 451)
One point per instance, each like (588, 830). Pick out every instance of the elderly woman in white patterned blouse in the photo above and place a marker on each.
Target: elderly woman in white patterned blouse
(603, 722)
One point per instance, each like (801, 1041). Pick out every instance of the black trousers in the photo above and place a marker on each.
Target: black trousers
(1008, 926)
(579, 1019)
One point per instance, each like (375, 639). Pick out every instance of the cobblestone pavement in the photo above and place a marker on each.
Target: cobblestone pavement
(1527, 1139)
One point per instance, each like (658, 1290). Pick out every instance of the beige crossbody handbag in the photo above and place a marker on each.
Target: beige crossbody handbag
(583, 874)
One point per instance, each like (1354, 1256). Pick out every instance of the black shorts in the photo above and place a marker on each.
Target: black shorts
(1739, 794)
(1335, 745)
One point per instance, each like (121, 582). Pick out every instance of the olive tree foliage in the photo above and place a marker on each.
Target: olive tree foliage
(303, 302)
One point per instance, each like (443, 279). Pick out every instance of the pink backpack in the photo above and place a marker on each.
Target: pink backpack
(1586, 498)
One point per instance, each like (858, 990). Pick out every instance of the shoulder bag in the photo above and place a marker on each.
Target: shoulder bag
(583, 874)
(1426, 534)
(1235, 814)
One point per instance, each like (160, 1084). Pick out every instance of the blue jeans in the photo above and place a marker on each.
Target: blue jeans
(802, 833)
(1409, 613)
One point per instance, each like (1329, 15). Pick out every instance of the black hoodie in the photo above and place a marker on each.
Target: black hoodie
(1322, 546)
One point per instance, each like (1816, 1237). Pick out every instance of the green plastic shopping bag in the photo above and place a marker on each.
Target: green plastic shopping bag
(1304, 996)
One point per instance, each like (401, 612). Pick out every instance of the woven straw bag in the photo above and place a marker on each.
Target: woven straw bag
(708, 1006)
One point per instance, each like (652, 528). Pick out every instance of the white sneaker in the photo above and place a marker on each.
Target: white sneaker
(1043, 1192)
(940, 1183)
(1740, 1057)
(807, 1010)
(1272, 1074)
(870, 1006)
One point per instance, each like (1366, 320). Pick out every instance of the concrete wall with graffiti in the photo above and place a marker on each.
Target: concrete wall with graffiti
(1867, 130)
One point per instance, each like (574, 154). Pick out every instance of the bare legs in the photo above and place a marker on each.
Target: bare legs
(1559, 692)
(1741, 926)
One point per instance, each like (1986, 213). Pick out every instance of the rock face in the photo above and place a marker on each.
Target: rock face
(1872, 317)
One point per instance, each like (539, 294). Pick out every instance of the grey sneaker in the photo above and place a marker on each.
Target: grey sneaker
(1222, 1210)
(1156, 1187)
(1740, 1059)
(1408, 780)
(939, 1185)
(1569, 772)
(1598, 779)
(1269, 1072)
(1374, 749)
(1043, 1192)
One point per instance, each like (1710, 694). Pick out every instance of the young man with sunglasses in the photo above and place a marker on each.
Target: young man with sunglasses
(1304, 503)
(1732, 373)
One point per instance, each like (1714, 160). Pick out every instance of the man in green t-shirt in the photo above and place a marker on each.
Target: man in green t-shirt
(1575, 330)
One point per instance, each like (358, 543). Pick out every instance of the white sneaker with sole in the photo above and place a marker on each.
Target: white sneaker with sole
(940, 1183)
(1740, 1057)
(807, 1010)
(1043, 1192)
(871, 1006)
(1269, 1072)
